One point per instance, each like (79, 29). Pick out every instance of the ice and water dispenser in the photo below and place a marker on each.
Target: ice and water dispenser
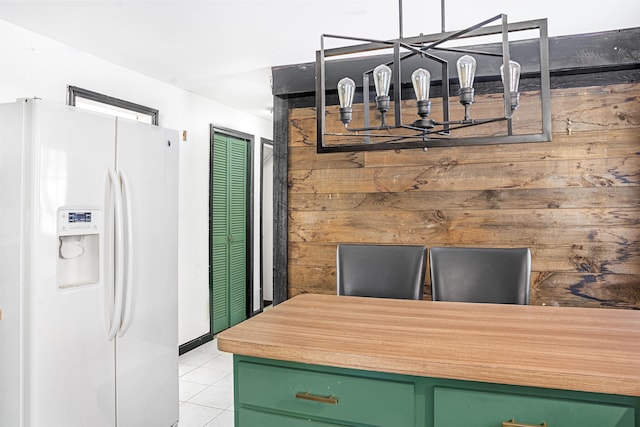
(79, 242)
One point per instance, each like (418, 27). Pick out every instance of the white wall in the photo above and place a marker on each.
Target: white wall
(35, 66)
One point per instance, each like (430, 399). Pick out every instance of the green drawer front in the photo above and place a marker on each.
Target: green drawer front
(251, 418)
(454, 408)
(372, 402)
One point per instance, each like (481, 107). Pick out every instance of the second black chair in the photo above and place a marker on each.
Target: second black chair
(383, 271)
(490, 275)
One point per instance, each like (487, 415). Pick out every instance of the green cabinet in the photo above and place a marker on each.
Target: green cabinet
(251, 417)
(274, 393)
(326, 396)
(228, 231)
(475, 408)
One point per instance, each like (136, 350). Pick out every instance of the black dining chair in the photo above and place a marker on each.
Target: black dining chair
(383, 271)
(486, 275)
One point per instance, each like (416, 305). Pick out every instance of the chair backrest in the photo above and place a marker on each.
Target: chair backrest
(383, 271)
(490, 275)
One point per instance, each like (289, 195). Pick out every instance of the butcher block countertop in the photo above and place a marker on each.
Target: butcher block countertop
(583, 349)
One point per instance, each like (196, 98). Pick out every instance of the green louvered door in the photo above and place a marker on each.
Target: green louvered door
(229, 231)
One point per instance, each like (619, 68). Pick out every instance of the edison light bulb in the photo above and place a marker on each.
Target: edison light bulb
(466, 73)
(466, 70)
(514, 75)
(346, 90)
(514, 81)
(421, 80)
(382, 79)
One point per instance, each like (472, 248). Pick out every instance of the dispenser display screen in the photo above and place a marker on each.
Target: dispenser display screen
(78, 221)
(79, 217)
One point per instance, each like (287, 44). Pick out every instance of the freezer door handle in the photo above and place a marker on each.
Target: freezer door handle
(116, 308)
(128, 228)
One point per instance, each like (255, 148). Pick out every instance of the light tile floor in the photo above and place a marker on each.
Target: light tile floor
(206, 387)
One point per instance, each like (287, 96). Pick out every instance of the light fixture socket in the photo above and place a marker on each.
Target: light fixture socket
(382, 103)
(466, 95)
(514, 100)
(424, 109)
(346, 114)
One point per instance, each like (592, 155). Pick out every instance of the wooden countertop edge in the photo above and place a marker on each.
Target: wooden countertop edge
(465, 372)
(291, 332)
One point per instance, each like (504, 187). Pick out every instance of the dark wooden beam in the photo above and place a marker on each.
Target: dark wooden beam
(580, 54)
(280, 198)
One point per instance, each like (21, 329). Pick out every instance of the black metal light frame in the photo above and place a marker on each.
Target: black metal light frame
(425, 46)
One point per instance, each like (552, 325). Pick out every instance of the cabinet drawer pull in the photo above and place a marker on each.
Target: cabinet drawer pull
(512, 423)
(324, 399)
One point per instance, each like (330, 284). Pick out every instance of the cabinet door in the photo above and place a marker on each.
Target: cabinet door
(228, 231)
(471, 408)
(250, 417)
(341, 398)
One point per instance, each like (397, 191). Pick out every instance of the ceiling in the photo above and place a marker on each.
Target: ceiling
(224, 49)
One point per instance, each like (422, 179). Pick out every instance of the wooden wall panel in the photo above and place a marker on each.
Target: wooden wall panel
(575, 201)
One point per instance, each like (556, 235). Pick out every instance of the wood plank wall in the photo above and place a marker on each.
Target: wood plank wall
(575, 201)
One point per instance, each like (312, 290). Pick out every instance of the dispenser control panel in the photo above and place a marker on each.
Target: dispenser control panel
(72, 222)
(79, 217)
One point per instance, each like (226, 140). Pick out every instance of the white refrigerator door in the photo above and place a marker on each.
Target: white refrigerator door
(68, 363)
(11, 126)
(147, 346)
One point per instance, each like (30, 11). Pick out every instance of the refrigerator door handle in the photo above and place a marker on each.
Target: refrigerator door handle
(128, 282)
(108, 253)
(116, 309)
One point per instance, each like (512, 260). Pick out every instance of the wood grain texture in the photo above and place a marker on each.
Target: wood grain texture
(590, 145)
(575, 201)
(593, 108)
(553, 347)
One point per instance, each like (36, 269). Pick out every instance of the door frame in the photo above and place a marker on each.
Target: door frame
(250, 217)
(263, 142)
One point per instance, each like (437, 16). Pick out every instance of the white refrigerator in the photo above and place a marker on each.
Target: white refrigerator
(88, 273)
